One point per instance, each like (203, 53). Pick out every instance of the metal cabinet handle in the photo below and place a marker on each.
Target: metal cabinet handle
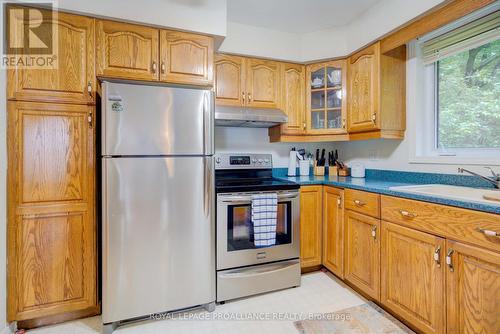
(374, 232)
(153, 67)
(448, 259)
(359, 203)
(437, 256)
(162, 67)
(488, 233)
(89, 88)
(304, 125)
(249, 97)
(90, 120)
(343, 124)
(339, 202)
(243, 96)
(407, 214)
(374, 117)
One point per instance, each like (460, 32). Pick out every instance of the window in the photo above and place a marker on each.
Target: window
(468, 99)
(458, 92)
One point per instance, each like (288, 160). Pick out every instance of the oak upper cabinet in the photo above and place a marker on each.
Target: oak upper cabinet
(326, 102)
(73, 80)
(229, 80)
(51, 211)
(292, 98)
(311, 221)
(473, 294)
(333, 230)
(413, 277)
(362, 252)
(127, 51)
(376, 91)
(262, 83)
(186, 58)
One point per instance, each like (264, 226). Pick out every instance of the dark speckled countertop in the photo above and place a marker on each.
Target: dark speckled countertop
(379, 181)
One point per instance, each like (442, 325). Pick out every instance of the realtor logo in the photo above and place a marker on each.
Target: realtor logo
(30, 36)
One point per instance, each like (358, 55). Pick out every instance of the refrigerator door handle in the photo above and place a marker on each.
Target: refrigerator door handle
(207, 186)
(208, 122)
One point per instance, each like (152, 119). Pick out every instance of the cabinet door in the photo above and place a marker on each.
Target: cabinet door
(74, 75)
(229, 80)
(127, 51)
(363, 90)
(311, 220)
(186, 58)
(473, 295)
(326, 98)
(333, 230)
(262, 83)
(51, 225)
(413, 277)
(292, 98)
(362, 253)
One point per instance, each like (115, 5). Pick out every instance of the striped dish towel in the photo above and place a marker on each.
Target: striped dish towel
(264, 213)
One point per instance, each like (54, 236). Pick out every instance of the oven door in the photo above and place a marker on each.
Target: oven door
(235, 239)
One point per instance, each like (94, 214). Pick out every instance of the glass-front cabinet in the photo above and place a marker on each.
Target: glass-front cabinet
(326, 97)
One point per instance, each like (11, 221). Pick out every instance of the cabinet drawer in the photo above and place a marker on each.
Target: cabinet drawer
(362, 202)
(450, 222)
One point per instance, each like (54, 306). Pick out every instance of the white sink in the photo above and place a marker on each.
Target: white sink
(452, 192)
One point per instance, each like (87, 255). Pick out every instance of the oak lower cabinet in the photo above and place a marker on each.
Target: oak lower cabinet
(362, 253)
(333, 230)
(473, 294)
(51, 237)
(186, 58)
(413, 277)
(127, 51)
(73, 79)
(311, 221)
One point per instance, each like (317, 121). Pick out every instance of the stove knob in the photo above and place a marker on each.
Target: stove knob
(217, 160)
(260, 161)
(266, 161)
(254, 161)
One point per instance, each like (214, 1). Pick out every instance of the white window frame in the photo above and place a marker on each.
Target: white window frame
(422, 112)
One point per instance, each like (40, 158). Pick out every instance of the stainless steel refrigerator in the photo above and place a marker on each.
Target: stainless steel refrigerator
(158, 215)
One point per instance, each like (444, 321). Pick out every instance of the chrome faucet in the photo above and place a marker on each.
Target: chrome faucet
(494, 179)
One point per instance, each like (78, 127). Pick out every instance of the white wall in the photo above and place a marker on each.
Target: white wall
(254, 140)
(379, 20)
(207, 16)
(261, 42)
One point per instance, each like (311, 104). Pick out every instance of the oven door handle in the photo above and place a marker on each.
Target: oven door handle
(258, 271)
(234, 199)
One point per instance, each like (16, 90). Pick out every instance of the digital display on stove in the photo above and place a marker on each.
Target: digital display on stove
(239, 160)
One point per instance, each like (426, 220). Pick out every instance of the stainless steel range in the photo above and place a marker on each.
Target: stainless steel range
(242, 268)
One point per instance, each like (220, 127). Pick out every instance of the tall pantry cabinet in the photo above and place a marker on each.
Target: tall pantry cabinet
(51, 239)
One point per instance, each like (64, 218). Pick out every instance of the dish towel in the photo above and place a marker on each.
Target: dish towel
(264, 213)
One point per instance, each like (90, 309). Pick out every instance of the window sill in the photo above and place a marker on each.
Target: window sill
(454, 160)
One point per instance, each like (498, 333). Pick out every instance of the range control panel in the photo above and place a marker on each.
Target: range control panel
(243, 161)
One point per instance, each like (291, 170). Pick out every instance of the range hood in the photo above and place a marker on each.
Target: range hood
(249, 117)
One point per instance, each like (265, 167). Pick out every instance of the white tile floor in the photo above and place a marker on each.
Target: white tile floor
(319, 293)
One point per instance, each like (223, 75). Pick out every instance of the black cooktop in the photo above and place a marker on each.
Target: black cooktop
(250, 180)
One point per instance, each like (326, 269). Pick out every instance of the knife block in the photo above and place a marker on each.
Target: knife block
(346, 171)
(333, 170)
(318, 170)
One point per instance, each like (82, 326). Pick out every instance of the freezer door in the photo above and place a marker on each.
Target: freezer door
(140, 120)
(158, 235)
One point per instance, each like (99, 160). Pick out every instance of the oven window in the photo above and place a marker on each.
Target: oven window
(240, 227)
